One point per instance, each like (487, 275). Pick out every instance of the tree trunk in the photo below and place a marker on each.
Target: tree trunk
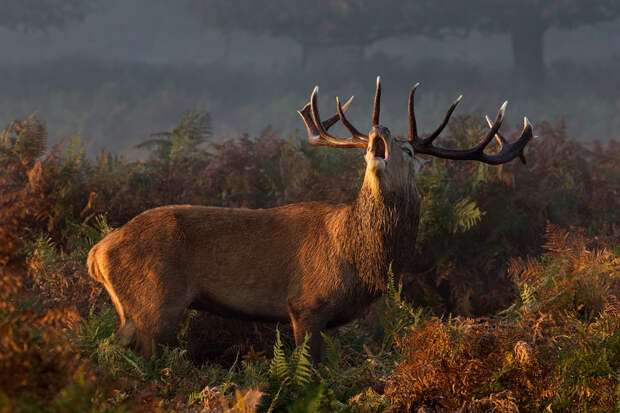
(527, 51)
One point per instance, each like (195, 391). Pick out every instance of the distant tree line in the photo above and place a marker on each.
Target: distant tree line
(359, 23)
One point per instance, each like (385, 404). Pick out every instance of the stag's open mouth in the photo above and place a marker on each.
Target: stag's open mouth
(377, 154)
(378, 148)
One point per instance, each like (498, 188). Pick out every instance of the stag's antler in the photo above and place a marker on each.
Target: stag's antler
(317, 132)
(507, 152)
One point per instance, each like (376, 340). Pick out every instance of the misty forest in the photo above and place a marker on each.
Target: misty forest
(188, 225)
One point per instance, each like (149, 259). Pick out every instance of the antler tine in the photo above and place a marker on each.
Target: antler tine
(413, 129)
(500, 138)
(306, 114)
(526, 135)
(377, 105)
(335, 118)
(314, 135)
(354, 132)
(508, 151)
(493, 128)
(443, 123)
(317, 133)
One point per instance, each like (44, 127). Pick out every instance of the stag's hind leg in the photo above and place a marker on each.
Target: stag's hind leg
(158, 328)
(127, 332)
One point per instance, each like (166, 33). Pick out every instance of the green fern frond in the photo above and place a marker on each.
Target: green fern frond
(334, 355)
(278, 368)
(528, 298)
(398, 313)
(300, 366)
(315, 400)
(466, 215)
(183, 140)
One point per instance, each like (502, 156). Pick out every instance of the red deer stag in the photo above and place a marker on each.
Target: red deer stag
(315, 264)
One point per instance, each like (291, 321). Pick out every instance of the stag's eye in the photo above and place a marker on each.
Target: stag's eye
(408, 152)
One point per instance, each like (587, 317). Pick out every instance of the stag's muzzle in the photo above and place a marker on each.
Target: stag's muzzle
(378, 152)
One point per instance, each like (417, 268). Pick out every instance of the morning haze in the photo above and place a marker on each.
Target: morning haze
(117, 71)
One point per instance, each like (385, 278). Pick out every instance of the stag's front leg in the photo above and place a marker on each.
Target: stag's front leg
(308, 322)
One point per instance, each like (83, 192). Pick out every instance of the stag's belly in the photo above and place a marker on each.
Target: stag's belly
(245, 306)
(258, 293)
(205, 303)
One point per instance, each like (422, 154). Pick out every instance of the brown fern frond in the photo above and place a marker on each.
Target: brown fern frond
(524, 271)
(557, 239)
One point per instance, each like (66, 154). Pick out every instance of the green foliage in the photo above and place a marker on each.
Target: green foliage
(46, 251)
(279, 368)
(182, 141)
(98, 340)
(317, 398)
(289, 373)
(296, 369)
(447, 206)
(466, 215)
(81, 237)
(399, 316)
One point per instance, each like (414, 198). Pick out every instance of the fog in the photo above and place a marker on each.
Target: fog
(133, 67)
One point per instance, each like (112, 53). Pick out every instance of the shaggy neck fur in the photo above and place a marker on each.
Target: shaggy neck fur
(380, 230)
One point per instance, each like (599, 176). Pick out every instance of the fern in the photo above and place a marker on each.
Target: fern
(254, 373)
(399, 315)
(43, 255)
(289, 374)
(182, 334)
(334, 355)
(183, 140)
(466, 215)
(528, 298)
(227, 382)
(278, 369)
(300, 366)
(317, 398)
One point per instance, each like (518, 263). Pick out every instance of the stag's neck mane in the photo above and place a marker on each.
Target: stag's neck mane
(380, 229)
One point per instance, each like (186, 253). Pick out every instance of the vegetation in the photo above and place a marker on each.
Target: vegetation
(516, 283)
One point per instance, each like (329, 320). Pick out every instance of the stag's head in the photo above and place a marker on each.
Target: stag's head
(390, 163)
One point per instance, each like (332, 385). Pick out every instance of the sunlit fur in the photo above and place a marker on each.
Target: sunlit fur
(315, 264)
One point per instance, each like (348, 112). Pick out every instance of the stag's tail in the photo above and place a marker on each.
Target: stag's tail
(126, 329)
(91, 263)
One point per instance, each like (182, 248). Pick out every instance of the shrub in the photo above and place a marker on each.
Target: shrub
(556, 347)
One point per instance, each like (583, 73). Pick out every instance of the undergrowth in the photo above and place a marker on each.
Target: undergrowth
(515, 282)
